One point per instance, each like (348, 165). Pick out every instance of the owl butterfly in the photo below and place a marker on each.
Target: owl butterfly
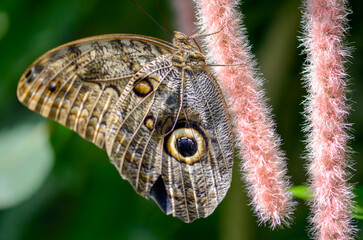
(155, 107)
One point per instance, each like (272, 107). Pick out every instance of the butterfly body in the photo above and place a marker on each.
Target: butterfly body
(153, 106)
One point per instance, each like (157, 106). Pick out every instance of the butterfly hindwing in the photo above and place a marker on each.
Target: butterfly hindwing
(196, 184)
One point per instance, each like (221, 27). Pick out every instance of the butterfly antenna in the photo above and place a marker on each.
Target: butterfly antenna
(152, 19)
(162, 17)
(200, 34)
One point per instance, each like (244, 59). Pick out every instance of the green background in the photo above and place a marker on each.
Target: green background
(55, 185)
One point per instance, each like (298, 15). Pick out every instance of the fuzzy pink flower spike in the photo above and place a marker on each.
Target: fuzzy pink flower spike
(325, 23)
(263, 162)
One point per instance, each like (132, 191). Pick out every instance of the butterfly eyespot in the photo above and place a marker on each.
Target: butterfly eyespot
(186, 145)
(28, 74)
(143, 88)
(53, 86)
(149, 122)
(32, 73)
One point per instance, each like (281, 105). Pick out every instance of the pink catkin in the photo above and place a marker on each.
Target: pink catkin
(263, 162)
(324, 27)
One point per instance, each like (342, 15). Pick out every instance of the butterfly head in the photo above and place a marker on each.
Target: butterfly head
(189, 55)
(181, 37)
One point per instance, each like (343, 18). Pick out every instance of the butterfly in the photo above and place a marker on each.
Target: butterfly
(154, 106)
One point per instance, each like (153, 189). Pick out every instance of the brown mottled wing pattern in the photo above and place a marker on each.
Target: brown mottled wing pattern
(78, 84)
(154, 106)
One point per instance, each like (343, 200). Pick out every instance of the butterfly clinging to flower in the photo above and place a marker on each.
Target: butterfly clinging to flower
(155, 107)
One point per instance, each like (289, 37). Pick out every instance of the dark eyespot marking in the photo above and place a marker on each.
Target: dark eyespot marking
(149, 122)
(186, 146)
(27, 75)
(32, 73)
(53, 86)
(143, 88)
(186, 143)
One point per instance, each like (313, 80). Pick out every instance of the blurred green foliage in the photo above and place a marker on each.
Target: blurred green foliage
(23, 172)
(83, 196)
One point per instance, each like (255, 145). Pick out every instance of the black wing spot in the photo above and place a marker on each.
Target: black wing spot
(32, 73)
(186, 146)
(27, 75)
(53, 86)
(160, 196)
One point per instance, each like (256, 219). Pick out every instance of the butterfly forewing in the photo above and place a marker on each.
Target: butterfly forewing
(154, 106)
(78, 84)
(141, 119)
